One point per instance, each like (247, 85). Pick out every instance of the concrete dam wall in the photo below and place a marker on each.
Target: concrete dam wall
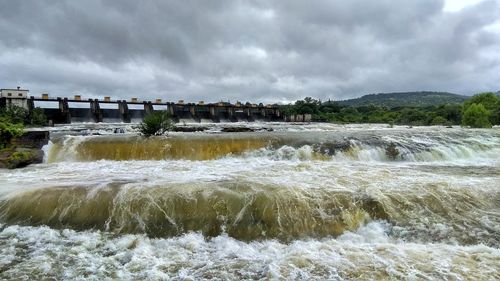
(65, 111)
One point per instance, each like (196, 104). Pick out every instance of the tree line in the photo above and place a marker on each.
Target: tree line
(13, 119)
(480, 111)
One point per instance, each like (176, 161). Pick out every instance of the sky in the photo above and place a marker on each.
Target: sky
(255, 50)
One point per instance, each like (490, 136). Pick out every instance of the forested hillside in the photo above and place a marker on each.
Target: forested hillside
(412, 99)
(481, 110)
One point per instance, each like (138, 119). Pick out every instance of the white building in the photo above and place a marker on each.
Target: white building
(17, 97)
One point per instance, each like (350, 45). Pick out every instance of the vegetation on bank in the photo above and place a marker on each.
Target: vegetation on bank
(156, 123)
(8, 131)
(13, 120)
(19, 115)
(480, 111)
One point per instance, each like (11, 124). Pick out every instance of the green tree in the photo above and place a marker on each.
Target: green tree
(288, 109)
(330, 107)
(307, 106)
(453, 113)
(14, 114)
(439, 120)
(413, 116)
(390, 117)
(156, 123)
(490, 102)
(8, 131)
(476, 116)
(350, 115)
(37, 117)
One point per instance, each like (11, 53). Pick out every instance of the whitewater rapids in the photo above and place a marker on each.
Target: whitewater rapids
(299, 202)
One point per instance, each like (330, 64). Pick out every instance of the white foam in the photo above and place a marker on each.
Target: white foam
(455, 169)
(364, 255)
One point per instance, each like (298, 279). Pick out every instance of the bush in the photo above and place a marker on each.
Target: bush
(476, 116)
(156, 123)
(439, 120)
(37, 117)
(391, 151)
(21, 156)
(8, 131)
(14, 114)
(490, 102)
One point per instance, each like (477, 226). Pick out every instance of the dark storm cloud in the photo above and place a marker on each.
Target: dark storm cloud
(247, 50)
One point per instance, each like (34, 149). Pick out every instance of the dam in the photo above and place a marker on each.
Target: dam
(65, 110)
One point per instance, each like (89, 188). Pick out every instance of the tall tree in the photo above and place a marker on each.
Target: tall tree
(476, 116)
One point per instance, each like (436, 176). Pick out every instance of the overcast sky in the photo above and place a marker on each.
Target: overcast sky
(259, 51)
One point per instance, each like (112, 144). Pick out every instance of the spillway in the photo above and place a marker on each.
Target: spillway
(314, 201)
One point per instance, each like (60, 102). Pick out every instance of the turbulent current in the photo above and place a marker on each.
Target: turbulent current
(300, 202)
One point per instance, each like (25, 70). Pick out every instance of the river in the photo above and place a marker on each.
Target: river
(290, 201)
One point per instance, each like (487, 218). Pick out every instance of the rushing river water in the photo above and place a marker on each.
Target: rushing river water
(300, 202)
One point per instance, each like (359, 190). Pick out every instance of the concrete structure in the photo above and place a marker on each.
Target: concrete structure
(17, 97)
(64, 110)
(299, 118)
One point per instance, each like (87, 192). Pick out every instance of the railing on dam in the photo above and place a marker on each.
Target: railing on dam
(64, 110)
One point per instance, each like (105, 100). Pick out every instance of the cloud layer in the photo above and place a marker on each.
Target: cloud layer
(269, 51)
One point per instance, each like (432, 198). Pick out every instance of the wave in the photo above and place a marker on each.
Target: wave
(251, 211)
(242, 211)
(79, 148)
(409, 147)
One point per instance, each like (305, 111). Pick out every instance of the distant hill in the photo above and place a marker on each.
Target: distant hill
(416, 99)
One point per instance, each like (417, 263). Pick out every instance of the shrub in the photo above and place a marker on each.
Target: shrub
(491, 104)
(391, 151)
(156, 123)
(14, 114)
(37, 117)
(439, 120)
(8, 131)
(476, 116)
(21, 156)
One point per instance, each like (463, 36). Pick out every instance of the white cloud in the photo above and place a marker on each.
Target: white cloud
(457, 5)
